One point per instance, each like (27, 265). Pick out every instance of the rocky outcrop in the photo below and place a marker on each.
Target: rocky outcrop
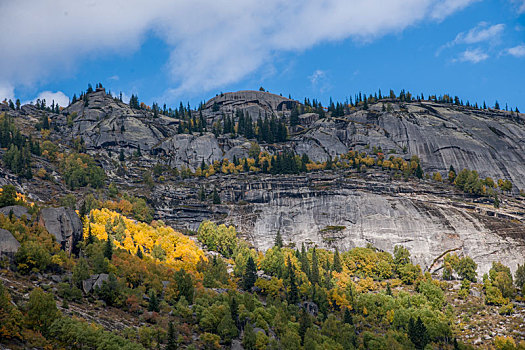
(17, 210)
(343, 210)
(64, 224)
(8, 244)
(94, 282)
(254, 103)
(106, 123)
(189, 150)
(440, 135)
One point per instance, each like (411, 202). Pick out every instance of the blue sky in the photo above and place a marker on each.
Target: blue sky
(190, 51)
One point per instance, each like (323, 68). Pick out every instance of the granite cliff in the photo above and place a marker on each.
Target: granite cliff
(339, 208)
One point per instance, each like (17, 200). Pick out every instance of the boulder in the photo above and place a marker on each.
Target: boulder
(8, 244)
(310, 307)
(17, 210)
(64, 224)
(93, 282)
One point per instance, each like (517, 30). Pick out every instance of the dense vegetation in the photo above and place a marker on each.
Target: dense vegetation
(17, 158)
(285, 298)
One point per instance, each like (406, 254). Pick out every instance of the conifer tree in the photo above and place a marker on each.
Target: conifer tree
(90, 237)
(278, 239)
(153, 304)
(234, 310)
(250, 274)
(337, 266)
(294, 116)
(314, 273)
(417, 332)
(348, 319)
(215, 197)
(304, 323)
(419, 171)
(108, 248)
(305, 266)
(172, 341)
(293, 295)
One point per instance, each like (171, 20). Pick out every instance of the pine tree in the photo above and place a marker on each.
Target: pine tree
(108, 249)
(234, 310)
(419, 171)
(153, 304)
(293, 295)
(337, 266)
(90, 237)
(348, 319)
(45, 122)
(304, 323)
(278, 239)
(121, 156)
(388, 289)
(314, 273)
(305, 266)
(139, 253)
(172, 341)
(294, 117)
(249, 338)
(417, 332)
(250, 274)
(202, 194)
(215, 197)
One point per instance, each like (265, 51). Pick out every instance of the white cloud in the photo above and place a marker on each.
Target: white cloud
(482, 32)
(447, 7)
(6, 91)
(516, 51)
(211, 42)
(520, 5)
(58, 96)
(319, 80)
(317, 76)
(472, 55)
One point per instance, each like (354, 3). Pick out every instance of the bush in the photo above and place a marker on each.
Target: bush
(8, 196)
(220, 238)
(41, 310)
(86, 336)
(10, 317)
(80, 170)
(467, 269)
(409, 273)
(69, 292)
(32, 257)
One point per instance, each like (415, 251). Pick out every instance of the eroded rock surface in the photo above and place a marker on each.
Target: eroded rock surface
(333, 210)
(17, 210)
(8, 244)
(64, 224)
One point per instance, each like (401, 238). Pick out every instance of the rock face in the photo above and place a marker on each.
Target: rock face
(338, 210)
(440, 135)
(8, 244)
(106, 123)
(327, 209)
(64, 224)
(189, 150)
(254, 103)
(17, 210)
(93, 282)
